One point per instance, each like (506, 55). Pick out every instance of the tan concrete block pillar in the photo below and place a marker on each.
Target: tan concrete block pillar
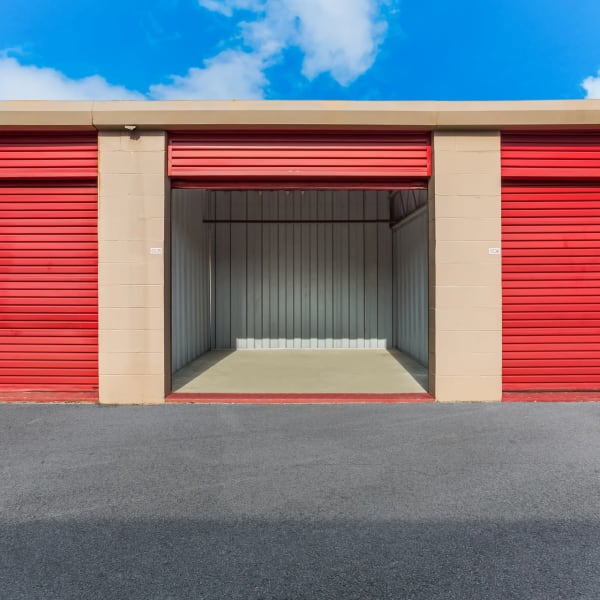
(466, 298)
(133, 189)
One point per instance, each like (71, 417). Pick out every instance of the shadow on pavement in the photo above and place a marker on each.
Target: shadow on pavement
(168, 559)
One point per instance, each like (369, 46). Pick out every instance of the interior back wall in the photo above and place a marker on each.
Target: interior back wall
(302, 285)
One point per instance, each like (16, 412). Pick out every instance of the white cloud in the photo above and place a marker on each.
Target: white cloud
(231, 74)
(26, 82)
(226, 7)
(592, 86)
(228, 75)
(340, 37)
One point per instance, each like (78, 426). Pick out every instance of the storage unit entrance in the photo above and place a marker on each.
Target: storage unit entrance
(316, 291)
(299, 261)
(551, 261)
(48, 266)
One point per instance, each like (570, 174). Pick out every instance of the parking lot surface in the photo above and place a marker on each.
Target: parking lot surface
(419, 502)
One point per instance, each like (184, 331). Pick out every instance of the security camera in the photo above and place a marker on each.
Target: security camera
(131, 127)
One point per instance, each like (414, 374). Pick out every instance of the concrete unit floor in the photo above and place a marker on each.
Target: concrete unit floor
(302, 371)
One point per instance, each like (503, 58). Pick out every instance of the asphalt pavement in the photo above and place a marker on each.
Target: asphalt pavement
(198, 502)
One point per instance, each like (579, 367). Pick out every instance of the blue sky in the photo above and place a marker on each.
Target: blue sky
(300, 49)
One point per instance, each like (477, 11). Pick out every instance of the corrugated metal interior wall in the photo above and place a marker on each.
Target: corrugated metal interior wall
(411, 286)
(308, 285)
(293, 285)
(191, 277)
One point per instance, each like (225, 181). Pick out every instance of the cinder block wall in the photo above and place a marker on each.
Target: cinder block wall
(466, 285)
(132, 197)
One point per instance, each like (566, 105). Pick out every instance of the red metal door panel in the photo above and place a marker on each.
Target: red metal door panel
(45, 156)
(48, 286)
(551, 156)
(551, 286)
(307, 159)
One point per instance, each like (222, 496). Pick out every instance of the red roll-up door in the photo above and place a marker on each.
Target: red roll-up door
(306, 159)
(48, 267)
(551, 156)
(64, 156)
(551, 286)
(551, 261)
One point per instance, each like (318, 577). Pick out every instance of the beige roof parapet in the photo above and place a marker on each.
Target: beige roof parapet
(428, 115)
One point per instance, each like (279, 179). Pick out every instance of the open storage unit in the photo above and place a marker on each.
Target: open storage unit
(298, 270)
(300, 245)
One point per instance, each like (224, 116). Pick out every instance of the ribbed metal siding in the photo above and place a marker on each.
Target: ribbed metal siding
(226, 157)
(310, 285)
(48, 287)
(190, 277)
(45, 156)
(551, 287)
(411, 286)
(551, 156)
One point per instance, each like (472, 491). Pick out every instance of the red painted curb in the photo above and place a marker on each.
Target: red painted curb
(551, 397)
(296, 398)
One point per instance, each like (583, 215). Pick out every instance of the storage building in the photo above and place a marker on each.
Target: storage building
(299, 251)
